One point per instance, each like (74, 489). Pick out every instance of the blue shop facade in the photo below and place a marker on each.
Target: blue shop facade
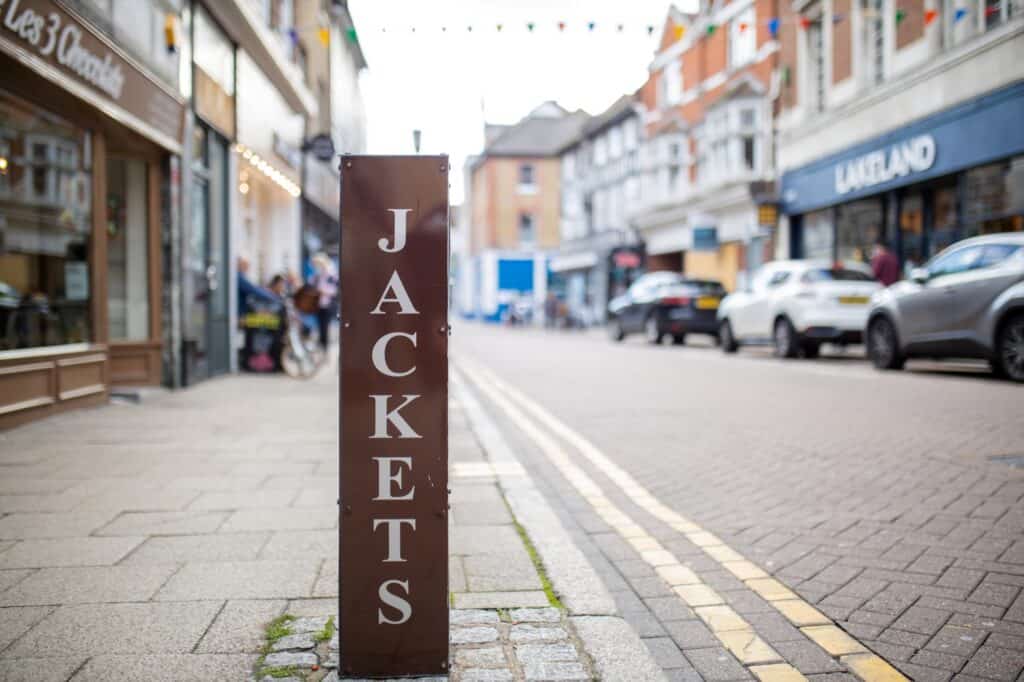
(955, 174)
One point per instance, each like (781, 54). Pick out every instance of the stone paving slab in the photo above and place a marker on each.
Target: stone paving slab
(166, 668)
(88, 585)
(93, 629)
(49, 669)
(52, 553)
(261, 579)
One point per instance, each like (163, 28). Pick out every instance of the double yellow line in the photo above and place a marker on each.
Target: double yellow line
(735, 633)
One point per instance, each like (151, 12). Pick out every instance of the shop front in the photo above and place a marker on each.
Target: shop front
(594, 270)
(953, 175)
(87, 138)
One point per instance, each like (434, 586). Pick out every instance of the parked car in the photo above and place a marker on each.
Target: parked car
(967, 301)
(798, 305)
(661, 304)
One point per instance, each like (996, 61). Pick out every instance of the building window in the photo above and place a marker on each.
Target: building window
(526, 179)
(965, 19)
(672, 81)
(994, 198)
(874, 41)
(45, 226)
(729, 143)
(816, 67)
(742, 39)
(527, 230)
(818, 235)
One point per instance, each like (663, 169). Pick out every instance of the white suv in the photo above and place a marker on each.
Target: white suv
(798, 305)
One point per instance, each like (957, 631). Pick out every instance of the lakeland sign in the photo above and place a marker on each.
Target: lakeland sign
(393, 571)
(916, 155)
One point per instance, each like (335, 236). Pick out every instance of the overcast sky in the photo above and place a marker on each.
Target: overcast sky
(446, 83)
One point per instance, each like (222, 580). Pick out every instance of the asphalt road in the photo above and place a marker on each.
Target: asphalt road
(888, 500)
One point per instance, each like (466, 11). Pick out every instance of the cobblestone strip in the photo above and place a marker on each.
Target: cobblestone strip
(487, 645)
(735, 633)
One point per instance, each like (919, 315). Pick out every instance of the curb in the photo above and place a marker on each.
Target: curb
(613, 645)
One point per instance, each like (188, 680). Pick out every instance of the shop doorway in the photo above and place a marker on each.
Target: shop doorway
(207, 288)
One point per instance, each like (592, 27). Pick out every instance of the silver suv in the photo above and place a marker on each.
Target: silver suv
(967, 301)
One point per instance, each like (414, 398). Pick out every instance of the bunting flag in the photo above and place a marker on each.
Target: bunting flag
(529, 27)
(743, 26)
(324, 35)
(773, 27)
(930, 15)
(591, 25)
(353, 37)
(959, 14)
(805, 23)
(499, 28)
(838, 18)
(711, 29)
(619, 28)
(679, 31)
(650, 29)
(900, 16)
(561, 26)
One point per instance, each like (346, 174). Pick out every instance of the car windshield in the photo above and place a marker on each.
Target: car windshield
(835, 275)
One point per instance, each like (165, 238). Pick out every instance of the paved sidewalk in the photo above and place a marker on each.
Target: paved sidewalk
(158, 542)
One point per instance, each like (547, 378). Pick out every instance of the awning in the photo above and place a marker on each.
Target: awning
(573, 261)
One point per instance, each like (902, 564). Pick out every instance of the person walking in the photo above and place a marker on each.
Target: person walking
(884, 264)
(325, 280)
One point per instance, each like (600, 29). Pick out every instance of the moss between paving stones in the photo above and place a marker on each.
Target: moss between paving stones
(538, 564)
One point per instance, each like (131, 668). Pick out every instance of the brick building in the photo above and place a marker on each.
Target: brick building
(707, 161)
(511, 212)
(900, 120)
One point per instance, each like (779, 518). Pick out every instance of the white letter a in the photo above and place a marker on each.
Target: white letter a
(399, 296)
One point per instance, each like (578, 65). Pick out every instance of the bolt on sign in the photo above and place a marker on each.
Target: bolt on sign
(393, 565)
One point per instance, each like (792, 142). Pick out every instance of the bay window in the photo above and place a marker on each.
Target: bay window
(729, 142)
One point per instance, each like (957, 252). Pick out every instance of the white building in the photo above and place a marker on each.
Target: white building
(600, 255)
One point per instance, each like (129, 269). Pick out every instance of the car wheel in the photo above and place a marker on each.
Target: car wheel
(784, 335)
(615, 331)
(726, 339)
(883, 347)
(679, 339)
(811, 349)
(1010, 349)
(651, 330)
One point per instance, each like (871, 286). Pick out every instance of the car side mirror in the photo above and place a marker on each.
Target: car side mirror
(920, 275)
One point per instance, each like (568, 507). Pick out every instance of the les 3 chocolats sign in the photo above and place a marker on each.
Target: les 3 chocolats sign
(393, 567)
(52, 36)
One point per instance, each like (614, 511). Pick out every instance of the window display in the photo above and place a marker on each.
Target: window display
(45, 225)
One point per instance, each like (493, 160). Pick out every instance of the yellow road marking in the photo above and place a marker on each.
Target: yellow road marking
(815, 625)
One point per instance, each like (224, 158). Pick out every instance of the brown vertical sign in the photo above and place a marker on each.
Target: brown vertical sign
(393, 568)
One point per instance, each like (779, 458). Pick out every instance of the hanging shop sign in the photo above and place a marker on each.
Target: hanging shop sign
(393, 560)
(47, 37)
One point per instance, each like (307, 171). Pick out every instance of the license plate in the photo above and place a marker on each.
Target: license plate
(853, 300)
(707, 303)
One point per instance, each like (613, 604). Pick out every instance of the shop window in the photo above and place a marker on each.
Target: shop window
(912, 236)
(742, 39)
(818, 234)
(994, 198)
(860, 225)
(127, 251)
(45, 225)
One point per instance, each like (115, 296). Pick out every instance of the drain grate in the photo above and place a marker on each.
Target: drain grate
(1015, 461)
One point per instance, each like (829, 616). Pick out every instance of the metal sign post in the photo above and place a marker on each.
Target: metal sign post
(393, 565)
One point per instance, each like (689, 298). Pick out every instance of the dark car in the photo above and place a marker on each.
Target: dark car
(661, 304)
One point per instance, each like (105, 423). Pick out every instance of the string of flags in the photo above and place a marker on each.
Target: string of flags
(773, 24)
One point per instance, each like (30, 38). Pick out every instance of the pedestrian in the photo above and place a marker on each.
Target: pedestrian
(884, 264)
(325, 279)
(249, 292)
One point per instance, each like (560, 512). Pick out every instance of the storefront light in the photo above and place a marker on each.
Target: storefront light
(3, 164)
(243, 188)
